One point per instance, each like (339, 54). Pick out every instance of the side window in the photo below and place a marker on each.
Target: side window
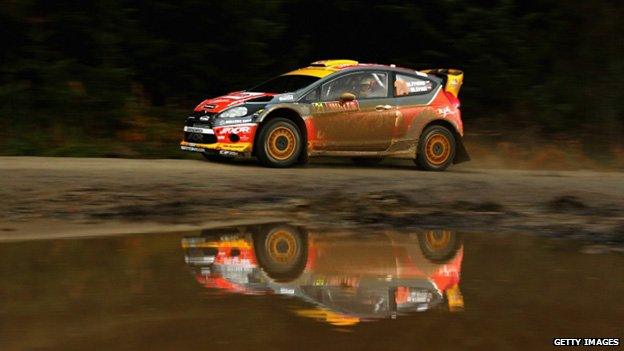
(311, 96)
(364, 85)
(409, 85)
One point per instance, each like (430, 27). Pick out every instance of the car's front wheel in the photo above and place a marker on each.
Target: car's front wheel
(436, 149)
(279, 143)
(281, 251)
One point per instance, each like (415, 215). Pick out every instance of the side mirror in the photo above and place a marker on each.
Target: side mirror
(347, 97)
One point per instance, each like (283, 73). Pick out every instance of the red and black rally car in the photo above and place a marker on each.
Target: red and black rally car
(345, 276)
(336, 108)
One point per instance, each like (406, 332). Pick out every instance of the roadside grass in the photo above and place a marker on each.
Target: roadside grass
(143, 137)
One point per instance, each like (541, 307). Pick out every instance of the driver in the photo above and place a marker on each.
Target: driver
(369, 87)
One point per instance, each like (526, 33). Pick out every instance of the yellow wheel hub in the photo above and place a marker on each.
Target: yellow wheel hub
(437, 148)
(282, 246)
(281, 143)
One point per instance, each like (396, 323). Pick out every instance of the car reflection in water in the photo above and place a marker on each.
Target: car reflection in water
(348, 277)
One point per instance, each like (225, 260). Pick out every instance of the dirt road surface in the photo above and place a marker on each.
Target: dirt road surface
(69, 197)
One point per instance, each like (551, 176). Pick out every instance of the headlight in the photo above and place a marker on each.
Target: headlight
(235, 112)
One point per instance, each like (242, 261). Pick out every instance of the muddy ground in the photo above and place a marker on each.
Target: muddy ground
(66, 197)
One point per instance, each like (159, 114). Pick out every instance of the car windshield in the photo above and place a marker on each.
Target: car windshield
(284, 84)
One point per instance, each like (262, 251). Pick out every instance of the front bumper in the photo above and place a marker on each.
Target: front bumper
(227, 140)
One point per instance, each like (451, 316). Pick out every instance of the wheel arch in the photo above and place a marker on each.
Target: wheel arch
(461, 154)
(291, 115)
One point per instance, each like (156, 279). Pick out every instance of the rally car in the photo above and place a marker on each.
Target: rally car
(345, 276)
(336, 108)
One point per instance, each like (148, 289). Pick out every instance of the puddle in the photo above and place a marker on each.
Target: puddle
(347, 277)
(280, 286)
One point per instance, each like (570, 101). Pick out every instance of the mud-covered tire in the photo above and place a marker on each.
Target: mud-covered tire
(436, 149)
(367, 161)
(439, 246)
(217, 158)
(279, 143)
(281, 251)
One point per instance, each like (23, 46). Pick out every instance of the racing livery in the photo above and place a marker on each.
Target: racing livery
(336, 108)
(346, 277)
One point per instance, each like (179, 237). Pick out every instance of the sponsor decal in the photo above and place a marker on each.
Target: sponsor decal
(317, 107)
(419, 296)
(287, 291)
(204, 118)
(419, 89)
(234, 147)
(235, 130)
(227, 121)
(198, 130)
(419, 86)
(209, 106)
(191, 148)
(238, 147)
(444, 111)
(287, 97)
(196, 137)
(335, 106)
(448, 271)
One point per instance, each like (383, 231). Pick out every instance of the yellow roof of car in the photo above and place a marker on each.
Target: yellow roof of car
(323, 68)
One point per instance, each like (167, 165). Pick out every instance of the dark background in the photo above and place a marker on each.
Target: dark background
(117, 78)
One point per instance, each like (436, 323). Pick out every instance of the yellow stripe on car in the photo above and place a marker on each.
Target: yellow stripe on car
(241, 244)
(326, 315)
(238, 147)
(319, 72)
(322, 68)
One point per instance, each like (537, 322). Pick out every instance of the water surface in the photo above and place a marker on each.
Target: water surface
(281, 286)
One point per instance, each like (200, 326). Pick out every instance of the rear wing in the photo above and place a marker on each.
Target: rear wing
(451, 78)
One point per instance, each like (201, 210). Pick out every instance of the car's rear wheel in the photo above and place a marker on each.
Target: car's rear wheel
(367, 161)
(439, 246)
(436, 149)
(217, 157)
(279, 143)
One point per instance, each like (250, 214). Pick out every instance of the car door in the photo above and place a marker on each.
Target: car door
(376, 116)
(363, 124)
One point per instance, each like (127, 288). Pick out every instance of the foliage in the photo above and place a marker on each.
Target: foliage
(104, 73)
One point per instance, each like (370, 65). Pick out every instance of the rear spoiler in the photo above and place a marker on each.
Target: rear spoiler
(451, 78)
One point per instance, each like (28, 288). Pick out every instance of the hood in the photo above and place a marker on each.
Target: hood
(218, 104)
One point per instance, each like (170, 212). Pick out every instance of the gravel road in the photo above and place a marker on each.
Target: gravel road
(68, 197)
